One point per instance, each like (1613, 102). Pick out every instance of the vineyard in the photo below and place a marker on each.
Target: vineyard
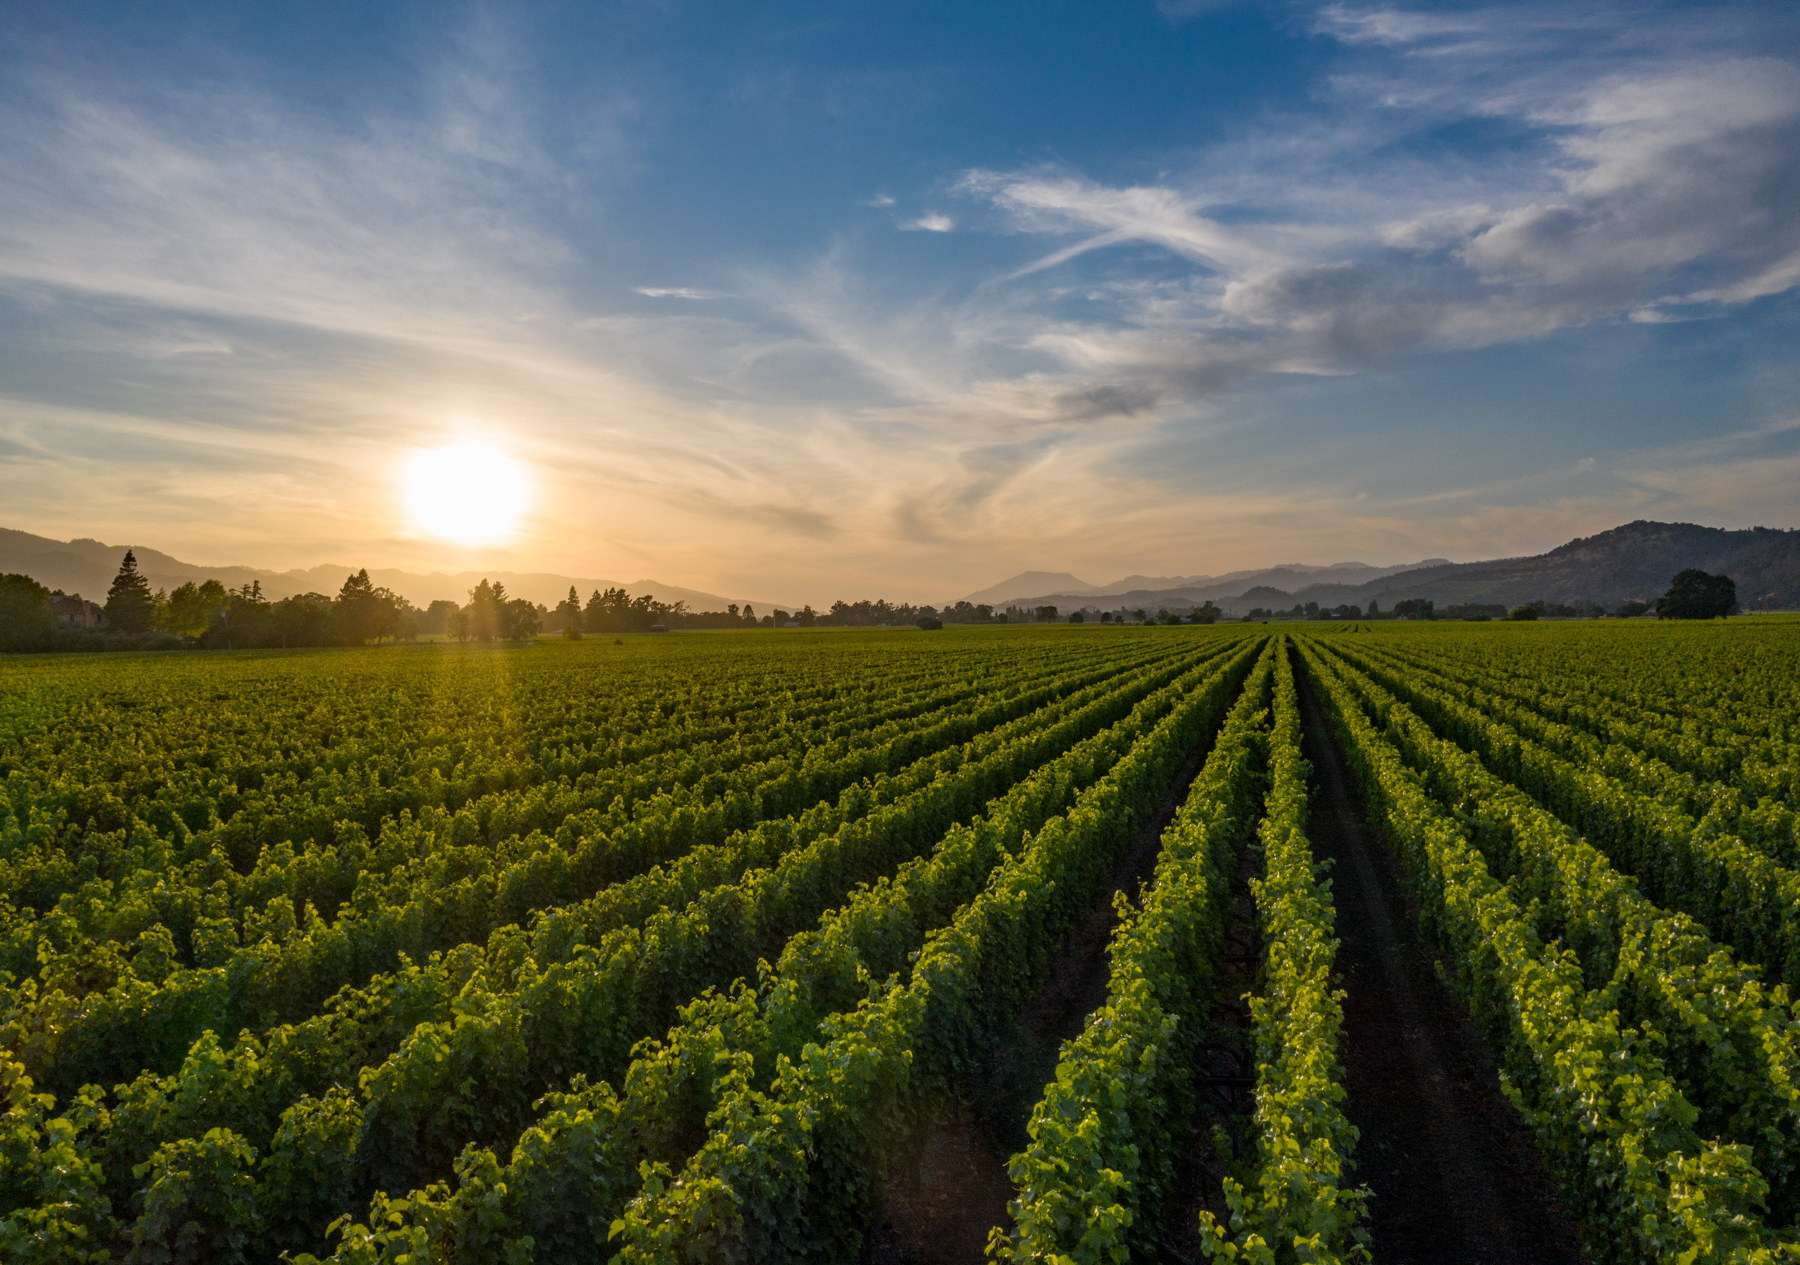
(698, 948)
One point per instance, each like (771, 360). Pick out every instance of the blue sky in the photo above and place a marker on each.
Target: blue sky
(845, 300)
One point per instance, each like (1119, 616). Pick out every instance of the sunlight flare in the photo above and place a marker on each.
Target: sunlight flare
(471, 493)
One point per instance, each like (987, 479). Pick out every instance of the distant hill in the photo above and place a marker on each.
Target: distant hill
(87, 567)
(1029, 586)
(1634, 561)
(1027, 582)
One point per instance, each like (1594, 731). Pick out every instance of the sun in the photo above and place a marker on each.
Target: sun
(469, 492)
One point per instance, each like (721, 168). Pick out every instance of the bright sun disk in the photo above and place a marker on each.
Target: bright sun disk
(468, 492)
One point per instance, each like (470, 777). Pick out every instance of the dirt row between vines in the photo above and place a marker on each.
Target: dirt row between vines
(938, 1208)
(1450, 1163)
(1451, 1167)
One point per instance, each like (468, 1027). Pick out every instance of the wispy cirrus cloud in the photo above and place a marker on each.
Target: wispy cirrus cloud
(1054, 202)
(679, 292)
(1660, 184)
(930, 222)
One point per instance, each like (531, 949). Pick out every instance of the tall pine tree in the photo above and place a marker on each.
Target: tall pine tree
(129, 603)
(569, 611)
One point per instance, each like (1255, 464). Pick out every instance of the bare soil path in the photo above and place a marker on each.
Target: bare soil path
(1452, 1166)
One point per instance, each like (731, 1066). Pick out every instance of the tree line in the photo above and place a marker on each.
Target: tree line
(209, 615)
(1693, 594)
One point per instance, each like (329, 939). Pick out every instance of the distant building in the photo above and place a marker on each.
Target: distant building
(659, 628)
(76, 612)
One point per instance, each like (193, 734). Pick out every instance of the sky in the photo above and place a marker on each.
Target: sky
(846, 301)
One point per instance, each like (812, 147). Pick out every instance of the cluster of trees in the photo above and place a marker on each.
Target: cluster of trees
(1312, 610)
(27, 626)
(868, 614)
(1207, 614)
(615, 610)
(209, 615)
(493, 616)
(1693, 594)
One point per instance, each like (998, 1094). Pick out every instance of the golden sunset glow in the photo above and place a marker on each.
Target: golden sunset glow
(470, 493)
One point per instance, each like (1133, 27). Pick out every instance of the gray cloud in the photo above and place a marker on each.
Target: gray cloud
(1661, 180)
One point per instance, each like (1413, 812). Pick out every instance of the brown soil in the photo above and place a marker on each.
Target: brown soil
(939, 1208)
(1452, 1166)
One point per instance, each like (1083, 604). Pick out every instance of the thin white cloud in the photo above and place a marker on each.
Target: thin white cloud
(1396, 28)
(679, 292)
(930, 222)
(1054, 202)
(1781, 276)
(1663, 175)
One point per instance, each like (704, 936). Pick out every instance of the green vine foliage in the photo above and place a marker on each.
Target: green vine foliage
(788, 1173)
(1730, 1043)
(1094, 1182)
(1638, 813)
(53, 1206)
(662, 1116)
(435, 881)
(1299, 1207)
(1611, 1120)
(199, 1202)
(440, 898)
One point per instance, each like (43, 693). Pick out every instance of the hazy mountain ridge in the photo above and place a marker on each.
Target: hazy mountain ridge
(1020, 589)
(1636, 560)
(87, 567)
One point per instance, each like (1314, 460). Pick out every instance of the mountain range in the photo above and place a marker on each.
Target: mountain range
(87, 567)
(1023, 586)
(1635, 561)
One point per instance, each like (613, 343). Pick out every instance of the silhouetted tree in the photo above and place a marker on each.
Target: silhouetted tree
(357, 613)
(485, 604)
(129, 603)
(436, 617)
(519, 619)
(568, 613)
(193, 608)
(305, 619)
(1694, 594)
(24, 612)
(365, 611)
(246, 615)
